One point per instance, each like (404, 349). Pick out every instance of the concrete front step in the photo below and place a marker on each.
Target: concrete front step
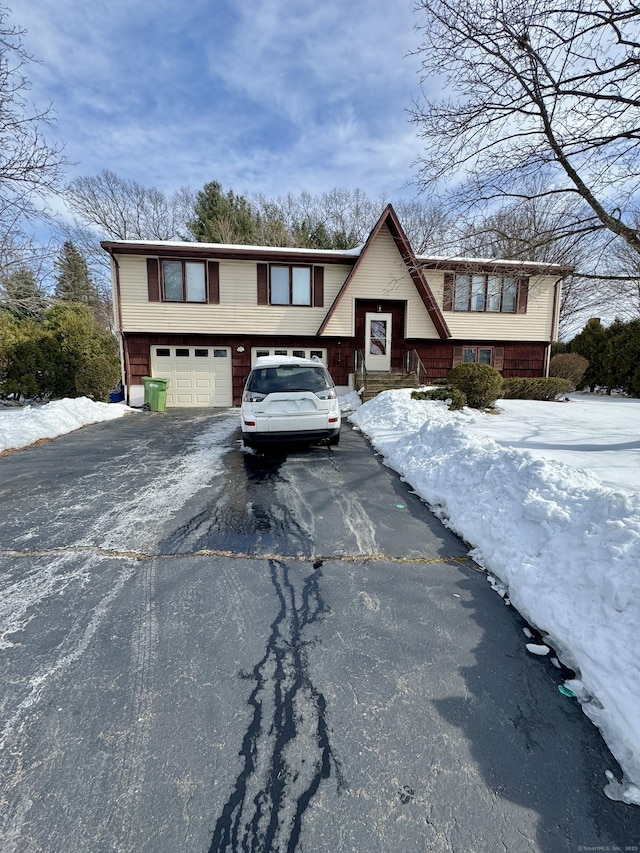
(377, 382)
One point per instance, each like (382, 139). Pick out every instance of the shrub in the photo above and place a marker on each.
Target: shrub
(66, 355)
(39, 369)
(456, 398)
(480, 383)
(569, 365)
(96, 376)
(535, 388)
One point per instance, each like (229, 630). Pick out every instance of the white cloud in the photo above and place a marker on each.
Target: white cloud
(270, 96)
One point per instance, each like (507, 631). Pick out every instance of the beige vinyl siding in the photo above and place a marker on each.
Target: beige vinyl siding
(534, 325)
(237, 312)
(382, 274)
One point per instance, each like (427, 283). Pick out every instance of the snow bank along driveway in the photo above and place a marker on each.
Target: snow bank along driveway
(565, 546)
(20, 427)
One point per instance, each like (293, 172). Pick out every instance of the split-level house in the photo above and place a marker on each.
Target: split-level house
(199, 314)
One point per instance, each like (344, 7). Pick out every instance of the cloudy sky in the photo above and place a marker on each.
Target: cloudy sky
(264, 96)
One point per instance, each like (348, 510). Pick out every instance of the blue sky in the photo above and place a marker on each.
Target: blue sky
(268, 96)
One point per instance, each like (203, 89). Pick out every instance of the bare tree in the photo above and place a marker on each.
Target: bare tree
(123, 209)
(532, 229)
(625, 280)
(430, 229)
(534, 85)
(342, 217)
(30, 168)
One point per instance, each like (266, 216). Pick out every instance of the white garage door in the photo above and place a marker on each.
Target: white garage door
(198, 376)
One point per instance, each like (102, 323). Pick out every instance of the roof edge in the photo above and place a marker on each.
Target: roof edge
(175, 248)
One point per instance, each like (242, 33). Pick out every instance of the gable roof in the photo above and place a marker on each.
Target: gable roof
(390, 219)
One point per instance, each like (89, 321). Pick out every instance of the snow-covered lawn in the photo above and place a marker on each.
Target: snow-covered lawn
(547, 495)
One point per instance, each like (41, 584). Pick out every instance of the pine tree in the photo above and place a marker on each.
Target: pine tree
(223, 217)
(622, 357)
(591, 343)
(73, 282)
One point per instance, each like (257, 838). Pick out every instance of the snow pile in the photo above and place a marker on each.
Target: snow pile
(350, 402)
(20, 427)
(565, 546)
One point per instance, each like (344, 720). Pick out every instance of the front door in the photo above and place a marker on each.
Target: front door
(377, 353)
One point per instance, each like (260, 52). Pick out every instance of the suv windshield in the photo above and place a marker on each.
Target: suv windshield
(289, 377)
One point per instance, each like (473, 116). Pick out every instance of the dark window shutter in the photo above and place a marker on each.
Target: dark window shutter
(263, 288)
(318, 287)
(457, 356)
(447, 296)
(153, 279)
(498, 358)
(523, 295)
(213, 280)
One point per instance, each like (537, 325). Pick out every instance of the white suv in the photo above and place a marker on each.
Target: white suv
(288, 398)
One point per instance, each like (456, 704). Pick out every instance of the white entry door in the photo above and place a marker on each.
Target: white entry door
(377, 353)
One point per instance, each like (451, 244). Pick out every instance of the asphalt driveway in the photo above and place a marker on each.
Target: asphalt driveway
(203, 649)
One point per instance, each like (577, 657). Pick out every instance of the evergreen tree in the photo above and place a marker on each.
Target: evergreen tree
(621, 358)
(9, 336)
(221, 217)
(591, 343)
(73, 282)
(67, 354)
(309, 234)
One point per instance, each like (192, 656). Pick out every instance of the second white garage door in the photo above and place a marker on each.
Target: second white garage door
(198, 376)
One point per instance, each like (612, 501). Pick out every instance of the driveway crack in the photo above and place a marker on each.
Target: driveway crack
(286, 751)
(316, 559)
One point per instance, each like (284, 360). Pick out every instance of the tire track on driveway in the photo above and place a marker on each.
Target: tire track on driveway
(133, 748)
(15, 798)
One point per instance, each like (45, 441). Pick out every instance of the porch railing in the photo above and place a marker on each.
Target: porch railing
(359, 371)
(413, 364)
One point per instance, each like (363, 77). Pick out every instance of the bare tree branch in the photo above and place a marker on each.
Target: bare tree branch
(30, 168)
(534, 86)
(124, 210)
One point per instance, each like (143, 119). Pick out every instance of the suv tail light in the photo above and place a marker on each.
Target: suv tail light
(326, 394)
(252, 397)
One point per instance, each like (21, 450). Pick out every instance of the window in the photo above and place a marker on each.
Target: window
(485, 293)
(201, 353)
(289, 377)
(257, 352)
(290, 285)
(183, 281)
(483, 355)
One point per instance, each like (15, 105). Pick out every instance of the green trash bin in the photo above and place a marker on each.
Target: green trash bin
(155, 393)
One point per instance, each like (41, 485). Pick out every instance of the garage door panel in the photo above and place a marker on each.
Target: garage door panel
(194, 380)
